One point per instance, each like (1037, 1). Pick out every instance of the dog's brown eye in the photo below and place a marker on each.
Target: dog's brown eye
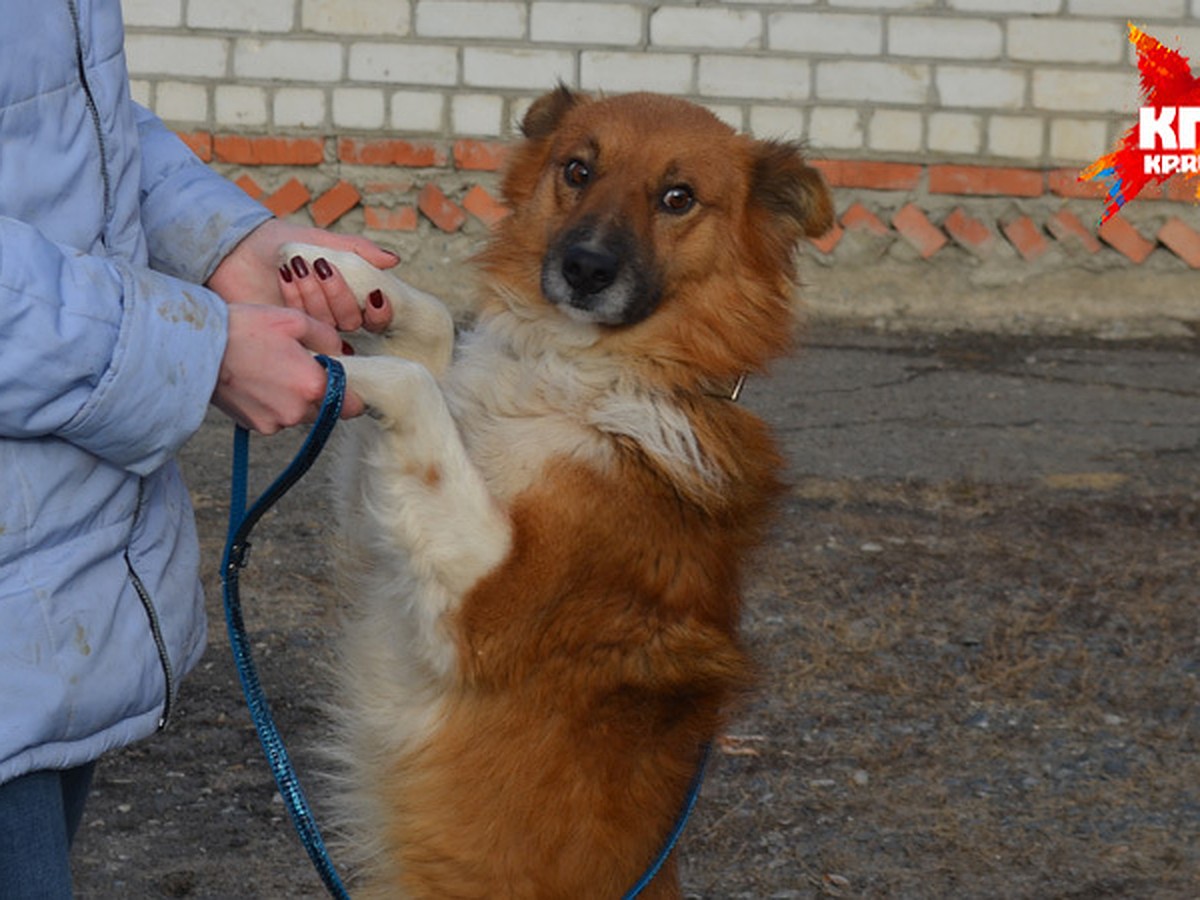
(577, 173)
(678, 199)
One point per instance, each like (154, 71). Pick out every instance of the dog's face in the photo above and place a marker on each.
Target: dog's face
(629, 194)
(635, 203)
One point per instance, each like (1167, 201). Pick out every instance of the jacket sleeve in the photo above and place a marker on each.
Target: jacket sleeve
(193, 217)
(114, 358)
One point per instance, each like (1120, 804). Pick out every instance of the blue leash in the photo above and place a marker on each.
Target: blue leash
(689, 804)
(237, 548)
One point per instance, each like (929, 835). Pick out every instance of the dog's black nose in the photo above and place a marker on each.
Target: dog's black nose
(589, 271)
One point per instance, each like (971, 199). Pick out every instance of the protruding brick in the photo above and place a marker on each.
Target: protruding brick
(985, 180)
(858, 218)
(268, 151)
(972, 234)
(440, 209)
(390, 152)
(1067, 229)
(914, 226)
(1026, 237)
(1182, 240)
(250, 186)
(827, 242)
(483, 206)
(480, 156)
(1126, 239)
(879, 176)
(334, 203)
(381, 218)
(288, 199)
(199, 142)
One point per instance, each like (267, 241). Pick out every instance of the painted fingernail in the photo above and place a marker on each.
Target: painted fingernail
(375, 298)
(286, 274)
(347, 350)
(299, 266)
(322, 268)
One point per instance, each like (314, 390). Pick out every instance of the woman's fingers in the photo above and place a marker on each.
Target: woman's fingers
(320, 291)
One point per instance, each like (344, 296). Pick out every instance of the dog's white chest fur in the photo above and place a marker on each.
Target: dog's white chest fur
(515, 414)
(519, 404)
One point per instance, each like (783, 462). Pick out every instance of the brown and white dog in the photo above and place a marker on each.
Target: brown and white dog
(543, 529)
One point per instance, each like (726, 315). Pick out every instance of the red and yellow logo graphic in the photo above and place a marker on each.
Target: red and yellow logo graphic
(1163, 142)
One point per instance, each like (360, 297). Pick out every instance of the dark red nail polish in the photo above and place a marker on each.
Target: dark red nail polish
(322, 268)
(286, 274)
(347, 350)
(299, 266)
(375, 298)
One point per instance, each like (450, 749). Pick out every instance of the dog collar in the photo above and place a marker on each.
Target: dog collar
(730, 392)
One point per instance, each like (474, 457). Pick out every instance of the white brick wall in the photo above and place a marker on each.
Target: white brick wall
(299, 107)
(262, 15)
(1030, 82)
(712, 27)
(418, 111)
(371, 17)
(488, 19)
(825, 34)
(240, 106)
(276, 60)
(605, 24)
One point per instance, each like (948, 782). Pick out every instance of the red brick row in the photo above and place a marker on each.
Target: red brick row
(270, 150)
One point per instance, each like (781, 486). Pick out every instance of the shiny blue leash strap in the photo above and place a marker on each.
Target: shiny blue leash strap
(237, 547)
(689, 804)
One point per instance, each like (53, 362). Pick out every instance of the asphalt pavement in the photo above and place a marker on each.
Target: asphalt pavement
(994, 409)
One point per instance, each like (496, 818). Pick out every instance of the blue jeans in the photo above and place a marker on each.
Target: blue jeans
(39, 814)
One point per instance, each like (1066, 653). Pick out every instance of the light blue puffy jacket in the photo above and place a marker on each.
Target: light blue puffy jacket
(108, 357)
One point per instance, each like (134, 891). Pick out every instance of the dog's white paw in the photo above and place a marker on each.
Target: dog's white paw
(422, 328)
(396, 391)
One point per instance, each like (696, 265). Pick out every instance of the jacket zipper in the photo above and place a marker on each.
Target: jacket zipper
(160, 643)
(95, 113)
(164, 657)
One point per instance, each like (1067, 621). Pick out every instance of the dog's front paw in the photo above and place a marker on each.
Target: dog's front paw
(361, 277)
(397, 392)
(422, 328)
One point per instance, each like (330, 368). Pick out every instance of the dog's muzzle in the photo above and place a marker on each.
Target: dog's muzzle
(597, 275)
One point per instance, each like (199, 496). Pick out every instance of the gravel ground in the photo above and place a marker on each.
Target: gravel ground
(970, 688)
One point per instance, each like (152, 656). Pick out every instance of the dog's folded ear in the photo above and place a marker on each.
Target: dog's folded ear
(547, 111)
(786, 186)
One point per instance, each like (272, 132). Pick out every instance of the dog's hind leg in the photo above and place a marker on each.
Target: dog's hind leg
(422, 328)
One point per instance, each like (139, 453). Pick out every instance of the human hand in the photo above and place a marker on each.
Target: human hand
(269, 379)
(251, 274)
